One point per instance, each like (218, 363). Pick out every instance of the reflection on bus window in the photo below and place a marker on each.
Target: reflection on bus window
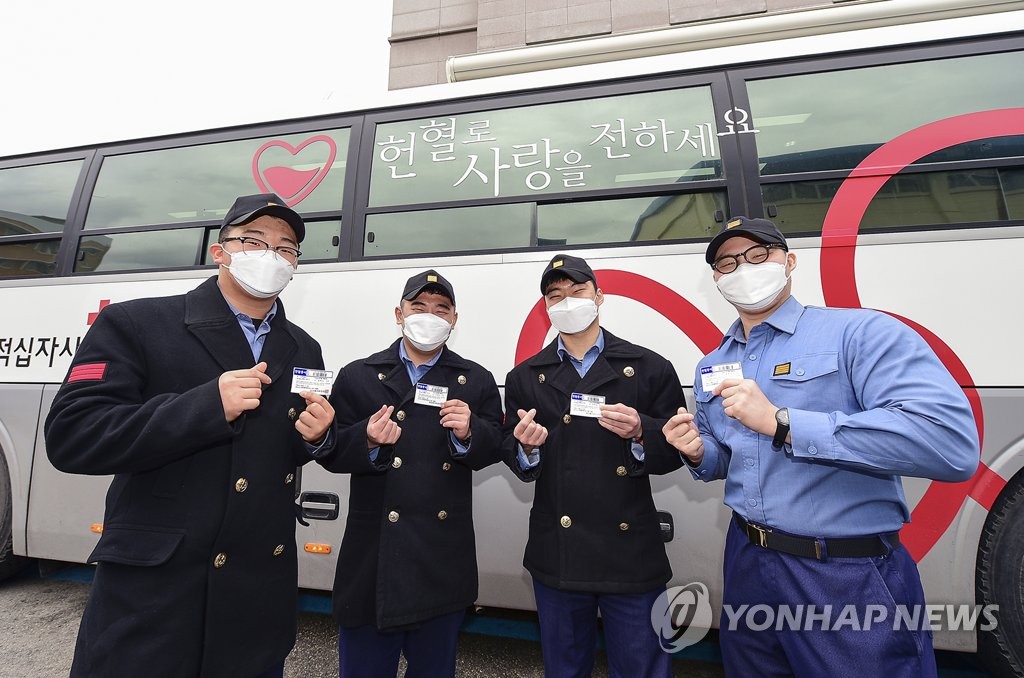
(28, 259)
(198, 183)
(610, 142)
(36, 199)
(448, 230)
(907, 200)
(669, 217)
(132, 251)
(833, 120)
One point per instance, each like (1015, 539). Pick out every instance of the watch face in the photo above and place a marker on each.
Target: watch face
(782, 416)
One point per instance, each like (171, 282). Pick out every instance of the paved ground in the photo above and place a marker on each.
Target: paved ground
(39, 619)
(39, 622)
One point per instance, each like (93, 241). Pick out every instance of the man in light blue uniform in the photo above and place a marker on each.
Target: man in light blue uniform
(812, 415)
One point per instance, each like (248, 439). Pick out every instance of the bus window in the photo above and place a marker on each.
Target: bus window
(448, 230)
(668, 217)
(832, 121)
(34, 203)
(197, 183)
(907, 200)
(175, 248)
(606, 143)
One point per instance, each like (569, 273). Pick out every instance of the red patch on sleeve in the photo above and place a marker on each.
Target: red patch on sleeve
(88, 372)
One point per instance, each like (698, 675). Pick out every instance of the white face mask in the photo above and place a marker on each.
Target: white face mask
(261, 274)
(426, 331)
(573, 314)
(753, 287)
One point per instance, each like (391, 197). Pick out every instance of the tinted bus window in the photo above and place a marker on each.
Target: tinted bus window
(34, 201)
(613, 142)
(448, 230)
(832, 121)
(198, 183)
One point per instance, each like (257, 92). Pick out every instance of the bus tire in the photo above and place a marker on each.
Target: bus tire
(9, 563)
(1000, 581)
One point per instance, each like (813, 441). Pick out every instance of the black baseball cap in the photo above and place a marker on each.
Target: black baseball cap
(760, 230)
(426, 280)
(573, 268)
(248, 207)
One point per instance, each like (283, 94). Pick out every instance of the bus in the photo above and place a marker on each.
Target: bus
(892, 159)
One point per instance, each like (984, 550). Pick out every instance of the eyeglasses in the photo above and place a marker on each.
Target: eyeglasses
(758, 254)
(257, 245)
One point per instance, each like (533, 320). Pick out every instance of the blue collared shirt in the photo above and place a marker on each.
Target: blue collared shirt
(868, 402)
(417, 372)
(255, 337)
(527, 461)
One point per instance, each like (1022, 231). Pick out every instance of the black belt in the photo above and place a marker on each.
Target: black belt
(819, 549)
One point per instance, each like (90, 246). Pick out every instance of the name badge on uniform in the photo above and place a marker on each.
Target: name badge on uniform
(434, 396)
(713, 375)
(317, 381)
(586, 405)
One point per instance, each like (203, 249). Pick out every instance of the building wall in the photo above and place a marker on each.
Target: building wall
(426, 32)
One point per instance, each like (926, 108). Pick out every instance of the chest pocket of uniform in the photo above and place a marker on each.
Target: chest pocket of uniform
(818, 372)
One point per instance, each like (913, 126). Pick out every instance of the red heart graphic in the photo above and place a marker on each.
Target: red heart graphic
(293, 185)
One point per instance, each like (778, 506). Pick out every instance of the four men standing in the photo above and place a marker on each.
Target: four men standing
(811, 415)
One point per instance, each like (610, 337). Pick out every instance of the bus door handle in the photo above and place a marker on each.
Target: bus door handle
(319, 505)
(668, 528)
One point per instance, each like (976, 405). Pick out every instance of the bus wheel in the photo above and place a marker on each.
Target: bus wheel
(1000, 581)
(9, 563)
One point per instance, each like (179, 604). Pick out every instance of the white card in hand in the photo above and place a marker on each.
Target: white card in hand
(586, 405)
(713, 375)
(434, 396)
(317, 381)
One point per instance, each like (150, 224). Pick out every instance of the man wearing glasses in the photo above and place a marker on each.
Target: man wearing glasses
(186, 400)
(812, 415)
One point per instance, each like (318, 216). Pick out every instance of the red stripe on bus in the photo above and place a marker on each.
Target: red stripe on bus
(986, 487)
(88, 372)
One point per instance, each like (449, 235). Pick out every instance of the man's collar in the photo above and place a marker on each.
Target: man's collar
(405, 356)
(599, 345)
(270, 314)
(784, 319)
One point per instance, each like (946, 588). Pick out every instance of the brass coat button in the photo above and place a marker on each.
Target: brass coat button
(623, 526)
(620, 471)
(628, 371)
(566, 419)
(462, 379)
(393, 517)
(446, 466)
(292, 413)
(289, 478)
(219, 560)
(396, 462)
(566, 521)
(241, 485)
(279, 549)
(441, 515)
(380, 376)
(400, 415)
(540, 378)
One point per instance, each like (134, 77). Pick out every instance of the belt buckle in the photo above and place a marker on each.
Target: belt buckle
(762, 533)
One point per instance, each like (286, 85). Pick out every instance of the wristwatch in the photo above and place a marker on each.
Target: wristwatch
(781, 428)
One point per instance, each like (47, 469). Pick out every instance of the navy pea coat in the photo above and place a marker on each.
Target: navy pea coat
(594, 525)
(409, 549)
(197, 571)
